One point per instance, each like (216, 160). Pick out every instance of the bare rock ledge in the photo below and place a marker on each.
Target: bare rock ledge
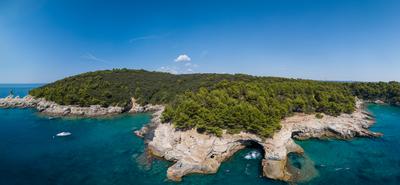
(54, 109)
(193, 152)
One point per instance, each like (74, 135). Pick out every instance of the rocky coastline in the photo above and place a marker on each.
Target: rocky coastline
(193, 152)
(384, 102)
(53, 109)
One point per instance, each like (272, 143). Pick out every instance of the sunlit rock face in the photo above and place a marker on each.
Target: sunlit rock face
(193, 152)
(52, 108)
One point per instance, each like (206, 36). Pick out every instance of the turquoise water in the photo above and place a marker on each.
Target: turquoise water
(362, 160)
(17, 89)
(105, 151)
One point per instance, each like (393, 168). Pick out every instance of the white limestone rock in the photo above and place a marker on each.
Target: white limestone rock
(193, 152)
(52, 108)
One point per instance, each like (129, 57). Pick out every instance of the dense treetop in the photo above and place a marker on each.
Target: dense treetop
(117, 86)
(215, 102)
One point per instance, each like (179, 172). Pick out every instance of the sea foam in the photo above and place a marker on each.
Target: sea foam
(252, 155)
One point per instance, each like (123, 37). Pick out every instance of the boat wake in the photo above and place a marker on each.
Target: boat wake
(63, 134)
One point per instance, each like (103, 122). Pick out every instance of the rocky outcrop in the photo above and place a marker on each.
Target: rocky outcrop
(379, 102)
(193, 152)
(302, 126)
(137, 108)
(52, 108)
(17, 102)
(146, 131)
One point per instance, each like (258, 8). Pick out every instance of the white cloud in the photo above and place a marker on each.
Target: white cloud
(148, 37)
(168, 70)
(89, 56)
(191, 65)
(183, 58)
(182, 65)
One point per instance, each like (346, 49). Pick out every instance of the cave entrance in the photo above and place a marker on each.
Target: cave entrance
(251, 157)
(254, 146)
(245, 164)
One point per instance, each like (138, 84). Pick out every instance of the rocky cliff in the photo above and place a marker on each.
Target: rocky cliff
(193, 152)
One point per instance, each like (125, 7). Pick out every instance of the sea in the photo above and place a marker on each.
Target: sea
(104, 151)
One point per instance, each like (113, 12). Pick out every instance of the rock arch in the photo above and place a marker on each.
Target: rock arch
(193, 152)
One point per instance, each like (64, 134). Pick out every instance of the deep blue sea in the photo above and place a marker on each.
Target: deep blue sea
(105, 151)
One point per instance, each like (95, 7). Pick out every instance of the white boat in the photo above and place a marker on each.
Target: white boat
(63, 134)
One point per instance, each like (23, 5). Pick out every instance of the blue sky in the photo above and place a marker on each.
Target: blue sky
(45, 40)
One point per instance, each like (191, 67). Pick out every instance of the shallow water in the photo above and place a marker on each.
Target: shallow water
(362, 160)
(105, 151)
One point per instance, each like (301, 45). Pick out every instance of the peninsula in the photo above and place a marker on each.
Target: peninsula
(200, 120)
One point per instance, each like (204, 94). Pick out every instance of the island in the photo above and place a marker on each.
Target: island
(201, 120)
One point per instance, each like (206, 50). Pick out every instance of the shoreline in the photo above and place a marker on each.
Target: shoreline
(193, 152)
(50, 108)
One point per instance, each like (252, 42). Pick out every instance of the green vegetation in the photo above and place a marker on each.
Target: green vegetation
(387, 92)
(319, 115)
(116, 87)
(212, 103)
(256, 106)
